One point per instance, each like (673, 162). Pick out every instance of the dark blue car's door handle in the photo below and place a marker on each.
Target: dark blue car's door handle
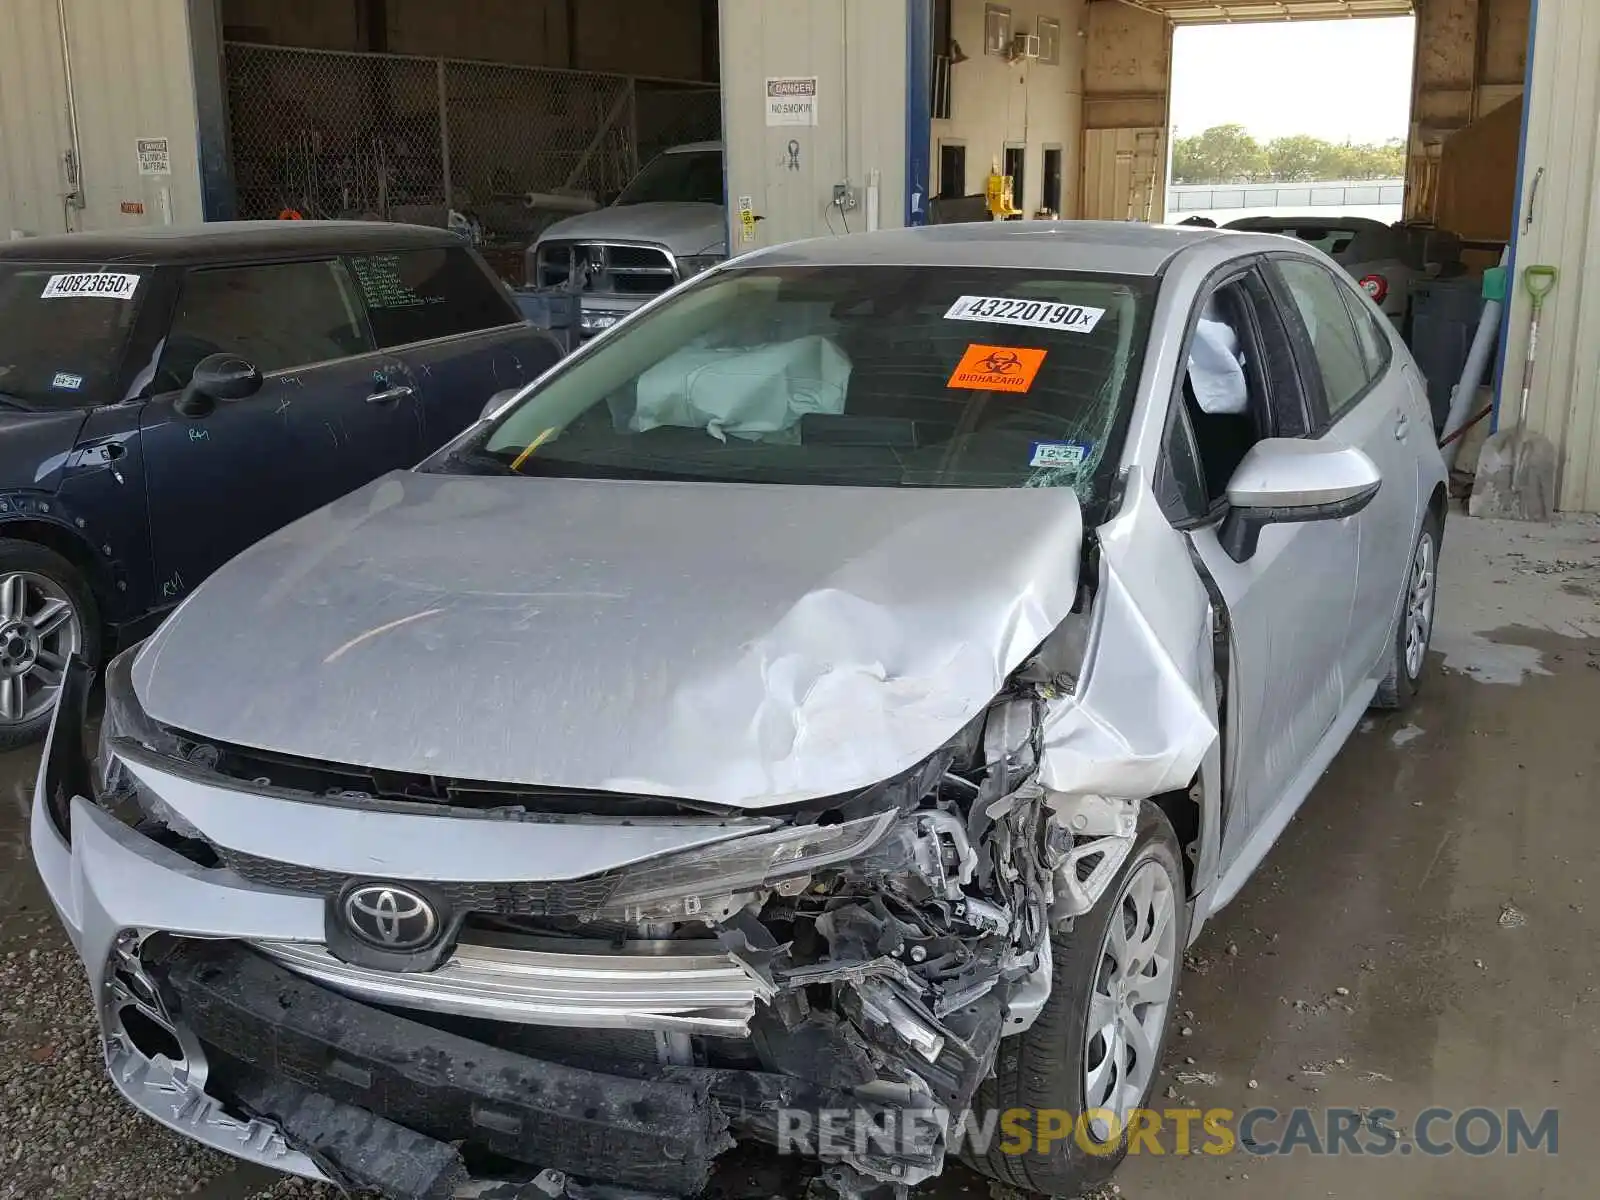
(389, 395)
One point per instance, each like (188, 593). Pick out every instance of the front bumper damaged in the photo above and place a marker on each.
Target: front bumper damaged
(226, 1015)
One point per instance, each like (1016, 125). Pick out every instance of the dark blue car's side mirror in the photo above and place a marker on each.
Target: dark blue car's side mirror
(218, 377)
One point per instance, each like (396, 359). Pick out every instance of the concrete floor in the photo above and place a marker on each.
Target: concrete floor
(1439, 874)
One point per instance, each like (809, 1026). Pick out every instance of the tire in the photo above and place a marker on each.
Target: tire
(1047, 1066)
(47, 612)
(1408, 660)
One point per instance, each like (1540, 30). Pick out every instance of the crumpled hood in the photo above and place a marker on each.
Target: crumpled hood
(748, 645)
(681, 228)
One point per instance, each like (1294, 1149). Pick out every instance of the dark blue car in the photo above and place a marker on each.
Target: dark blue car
(170, 396)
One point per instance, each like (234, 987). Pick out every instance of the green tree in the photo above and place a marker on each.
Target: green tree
(1228, 154)
(1222, 154)
(1300, 158)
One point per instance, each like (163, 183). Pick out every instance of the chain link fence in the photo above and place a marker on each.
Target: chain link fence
(330, 134)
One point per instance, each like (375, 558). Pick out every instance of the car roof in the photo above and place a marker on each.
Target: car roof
(1106, 247)
(154, 245)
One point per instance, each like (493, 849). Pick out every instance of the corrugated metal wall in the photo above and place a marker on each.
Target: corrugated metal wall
(132, 77)
(857, 51)
(1559, 224)
(33, 120)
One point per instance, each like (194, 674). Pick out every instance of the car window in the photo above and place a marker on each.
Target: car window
(1226, 387)
(63, 330)
(1180, 482)
(1372, 333)
(275, 315)
(1340, 360)
(876, 376)
(418, 295)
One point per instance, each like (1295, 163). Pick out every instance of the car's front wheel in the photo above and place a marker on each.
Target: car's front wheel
(1408, 653)
(47, 614)
(1093, 1055)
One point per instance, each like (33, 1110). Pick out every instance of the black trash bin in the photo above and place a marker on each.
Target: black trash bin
(1444, 320)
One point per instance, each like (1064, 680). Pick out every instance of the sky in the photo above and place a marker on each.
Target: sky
(1331, 79)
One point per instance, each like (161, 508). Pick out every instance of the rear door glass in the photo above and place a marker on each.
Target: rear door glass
(419, 295)
(275, 315)
(1372, 335)
(63, 330)
(1340, 358)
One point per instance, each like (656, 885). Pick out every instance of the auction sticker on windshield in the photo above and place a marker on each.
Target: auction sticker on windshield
(1036, 314)
(111, 285)
(997, 368)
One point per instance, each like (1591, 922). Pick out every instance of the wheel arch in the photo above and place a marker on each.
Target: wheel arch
(1439, 505)
(72, 546)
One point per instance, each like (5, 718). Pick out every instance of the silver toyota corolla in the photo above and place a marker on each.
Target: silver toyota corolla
(819, 712)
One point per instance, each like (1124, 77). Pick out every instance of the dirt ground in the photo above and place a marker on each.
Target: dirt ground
(1422, 935)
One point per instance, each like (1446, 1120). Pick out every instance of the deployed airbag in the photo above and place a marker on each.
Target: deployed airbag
(1216, 366)
(754, 392)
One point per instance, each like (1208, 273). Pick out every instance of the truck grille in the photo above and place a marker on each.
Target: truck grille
(605, 267)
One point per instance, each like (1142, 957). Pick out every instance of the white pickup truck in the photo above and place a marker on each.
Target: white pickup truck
(668, 224)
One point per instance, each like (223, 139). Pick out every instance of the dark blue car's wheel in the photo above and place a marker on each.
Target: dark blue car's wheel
(47, 614)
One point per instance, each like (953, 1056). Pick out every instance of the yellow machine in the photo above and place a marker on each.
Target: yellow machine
(997, 191)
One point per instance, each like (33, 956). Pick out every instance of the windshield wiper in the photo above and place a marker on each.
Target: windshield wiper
(7, 400)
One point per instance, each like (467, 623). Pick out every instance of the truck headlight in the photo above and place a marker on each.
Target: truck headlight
(690, 265)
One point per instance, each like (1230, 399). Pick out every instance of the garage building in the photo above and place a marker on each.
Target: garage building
(836, 114)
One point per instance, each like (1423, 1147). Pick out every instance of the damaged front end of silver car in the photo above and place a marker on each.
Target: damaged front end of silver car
(862, 955)
(684, 977)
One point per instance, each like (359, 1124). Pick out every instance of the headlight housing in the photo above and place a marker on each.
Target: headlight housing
(125, 718)
(673, 886)
(690, 265)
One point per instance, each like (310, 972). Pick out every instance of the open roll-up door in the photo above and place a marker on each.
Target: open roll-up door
(1126, 81)
(1215, 12)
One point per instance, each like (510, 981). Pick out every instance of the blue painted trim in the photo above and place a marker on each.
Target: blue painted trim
(1512, 283)
(919, 108)
(218, 196)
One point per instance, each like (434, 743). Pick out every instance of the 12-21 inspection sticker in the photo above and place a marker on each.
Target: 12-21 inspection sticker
(1035, 314)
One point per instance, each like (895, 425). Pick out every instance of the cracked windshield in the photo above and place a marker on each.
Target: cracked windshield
(868, 376)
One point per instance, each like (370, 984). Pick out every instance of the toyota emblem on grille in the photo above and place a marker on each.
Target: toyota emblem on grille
(390, 917)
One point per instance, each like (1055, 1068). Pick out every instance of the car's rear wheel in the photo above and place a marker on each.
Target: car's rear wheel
(47, 614)
(1097, 1043)
(1408, 655)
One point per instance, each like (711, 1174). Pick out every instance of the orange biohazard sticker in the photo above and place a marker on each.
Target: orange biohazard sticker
(997, 368)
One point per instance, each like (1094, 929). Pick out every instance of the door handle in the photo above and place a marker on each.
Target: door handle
(105, 452)
(389, 394)
(1401, 428)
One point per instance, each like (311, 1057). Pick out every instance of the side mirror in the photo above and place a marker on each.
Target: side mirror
(496, 400)
(218, 377)
(1286, 480)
